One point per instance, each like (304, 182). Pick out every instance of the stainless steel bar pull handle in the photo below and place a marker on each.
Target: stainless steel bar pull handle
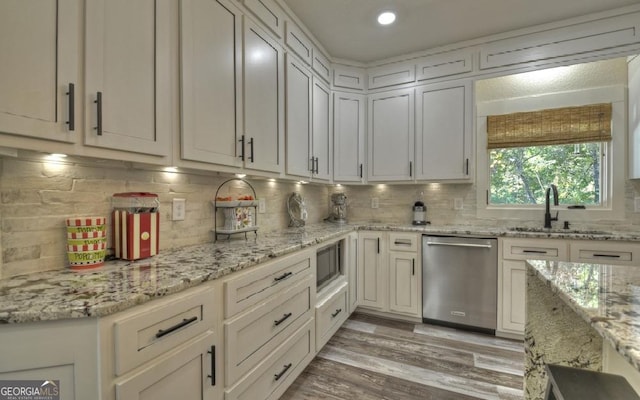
(281, 320)
(338, 311)
(413, 266)
(485, 246)
(402, 242)
(606, 255)
(534, 251)
(251, 150)
(281, 373)
(360, 171)
(98, 102)
(72, 107)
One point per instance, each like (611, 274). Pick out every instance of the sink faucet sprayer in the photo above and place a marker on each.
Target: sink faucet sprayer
(547, 212)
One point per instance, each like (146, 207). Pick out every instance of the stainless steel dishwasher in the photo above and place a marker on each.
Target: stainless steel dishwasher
(459, 282)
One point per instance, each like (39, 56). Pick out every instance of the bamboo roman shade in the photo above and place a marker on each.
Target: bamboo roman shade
(590, 123)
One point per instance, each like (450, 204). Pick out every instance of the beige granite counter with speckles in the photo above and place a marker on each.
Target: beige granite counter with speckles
(118, 285)
(607, 297)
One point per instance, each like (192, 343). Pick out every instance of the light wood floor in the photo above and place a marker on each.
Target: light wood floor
(373, 358)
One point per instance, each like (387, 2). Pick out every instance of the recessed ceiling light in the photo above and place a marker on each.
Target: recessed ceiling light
(386, 18)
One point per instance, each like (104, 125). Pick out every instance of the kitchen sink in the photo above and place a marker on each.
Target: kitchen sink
(556, 230)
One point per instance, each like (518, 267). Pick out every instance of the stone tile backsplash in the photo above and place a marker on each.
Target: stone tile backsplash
(36, 196)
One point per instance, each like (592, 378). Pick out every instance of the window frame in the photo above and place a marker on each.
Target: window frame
(613, 160)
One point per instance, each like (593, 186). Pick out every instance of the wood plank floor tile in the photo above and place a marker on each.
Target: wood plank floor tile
(374, 358)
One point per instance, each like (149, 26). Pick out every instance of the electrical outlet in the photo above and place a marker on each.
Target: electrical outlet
(374, 202)
(636, 204)
(457, 203)
(262, 206)
(179, 209)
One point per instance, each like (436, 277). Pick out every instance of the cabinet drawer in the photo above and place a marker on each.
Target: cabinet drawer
(272, 377)
(621, 253)
(534, 249)
(444, 65)
(155, 329)
(256, 285)
(253, 335)
(403, 242)
(330, 314)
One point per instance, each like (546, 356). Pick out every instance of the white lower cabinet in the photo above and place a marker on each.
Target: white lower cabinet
(512, 278)
(166, 349)
(186, 373)
(274, 374)
(269, 340)
(332, 310)
(389, 273)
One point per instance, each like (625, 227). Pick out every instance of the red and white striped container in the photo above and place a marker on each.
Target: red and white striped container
(136, 225)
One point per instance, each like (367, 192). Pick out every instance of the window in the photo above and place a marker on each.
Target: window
(521, 175)
(529, 151)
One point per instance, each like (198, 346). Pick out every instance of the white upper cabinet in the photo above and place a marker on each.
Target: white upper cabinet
(298, 42)
(349, 77)
(453, 63)
(348, 137)
(321, 141)
(269, 13)
(391, 136)
(127, 76)
(321, 66)
(39, 43)
(391, 74)
(298, 120)
(443, 131)
(263, 101)
(211, 81)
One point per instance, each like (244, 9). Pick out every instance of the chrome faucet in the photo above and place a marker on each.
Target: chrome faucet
(547, 210)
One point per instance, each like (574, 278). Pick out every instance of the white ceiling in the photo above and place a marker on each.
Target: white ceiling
(348, 29)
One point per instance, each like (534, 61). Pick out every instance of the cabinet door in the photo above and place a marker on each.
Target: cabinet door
(210, 80)
(263, 100)
(352, 271)
(633, 71)
(298, 110)
(513, 290)
(39, 44)
(348, 137)
(372, 270)
(127, 77)
(321, 139)
(443, 131)
(188, 373)
(403, 283)
(391, 133)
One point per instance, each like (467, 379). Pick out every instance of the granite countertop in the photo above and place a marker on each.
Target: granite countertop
(120, 284)
(606, 296)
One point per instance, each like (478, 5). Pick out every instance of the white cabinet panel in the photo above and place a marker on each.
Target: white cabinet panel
(348, 137)
(633, 71)
(263, 101)
(321, 66)
(391, 136)
(513, 296)
(321, 139)
(298, 42)
(608, 35)
(127, 58)
(40, 44)
(298, 111)
(443, 131)
(444, 65)
(349, 77)
(403, 283)
(269, 13)
(210, 78)
(372, 270)
(389, 75)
